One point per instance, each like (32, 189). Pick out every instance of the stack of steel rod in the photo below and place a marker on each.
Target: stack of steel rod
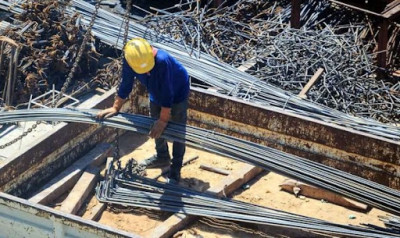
(128, 189)
(348, 185)
(227, 79)
(392, 224)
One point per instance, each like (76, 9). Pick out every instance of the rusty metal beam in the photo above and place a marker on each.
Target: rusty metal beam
(51, 154)
(20, 218)
(368, 156)
(295, 14)
(383, 39)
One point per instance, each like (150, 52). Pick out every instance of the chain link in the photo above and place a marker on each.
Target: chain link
(125, 39)
(69, 77)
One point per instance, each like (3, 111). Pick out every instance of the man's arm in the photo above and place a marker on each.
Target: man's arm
(165, 76)
(124, 90)
(112, 111)
(161, 123)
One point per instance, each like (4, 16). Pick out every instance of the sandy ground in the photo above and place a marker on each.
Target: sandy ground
(264, 190)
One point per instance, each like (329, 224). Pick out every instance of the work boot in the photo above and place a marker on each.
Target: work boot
(155, 162)
(173, 176)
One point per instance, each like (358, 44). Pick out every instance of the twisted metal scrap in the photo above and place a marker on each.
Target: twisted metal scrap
(254, 30)
(50, 41)
(225, 78)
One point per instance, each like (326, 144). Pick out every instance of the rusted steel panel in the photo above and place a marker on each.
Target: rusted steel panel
(62, 157)
(21, 218)
(371, 157)
(383, 39)
(60, 148)
(296, 126)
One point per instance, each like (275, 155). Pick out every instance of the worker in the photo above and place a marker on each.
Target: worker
(167, 82)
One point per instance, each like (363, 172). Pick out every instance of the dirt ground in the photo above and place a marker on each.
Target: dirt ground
(263, 190)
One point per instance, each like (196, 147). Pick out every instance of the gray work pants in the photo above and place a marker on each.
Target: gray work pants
(179, 115)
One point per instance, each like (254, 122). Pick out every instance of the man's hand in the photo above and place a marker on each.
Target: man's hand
(157, 129)
(107, 113)
(112, 111)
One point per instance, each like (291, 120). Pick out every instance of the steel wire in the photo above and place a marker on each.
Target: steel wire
(227, 79)
(289, 165)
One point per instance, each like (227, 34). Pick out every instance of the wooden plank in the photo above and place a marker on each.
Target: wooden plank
(81, 191)
(391, 10)
(235, 180)
(247, 65)
(356, 8)
(392, 13)
(319, 193)
(225, 187)
(215, 170)
(95, 212)
(66, 180)
(314, 78)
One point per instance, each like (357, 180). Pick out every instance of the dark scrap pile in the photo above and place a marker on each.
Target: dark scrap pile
(49, 41)
(336, 39)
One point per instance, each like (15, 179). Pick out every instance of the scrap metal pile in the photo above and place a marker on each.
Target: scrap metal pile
(225, 78)
(128, 189)
(334, 39)
(49, 41)
(292, 166)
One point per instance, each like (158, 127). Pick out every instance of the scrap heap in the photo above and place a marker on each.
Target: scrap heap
(48, 40)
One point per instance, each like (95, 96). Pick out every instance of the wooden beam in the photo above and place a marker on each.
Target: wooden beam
(310, 191)
(215, 170)
(247, 65)
(392, 10)
(295, 14)
(356, 8)
(81, 191)
(95, 212)
(314, 78)
(383, 39)
(66, 180)
(235, 180)
(225, 187)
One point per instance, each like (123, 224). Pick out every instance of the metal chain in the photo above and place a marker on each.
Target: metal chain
(125, 39)
(69, 78)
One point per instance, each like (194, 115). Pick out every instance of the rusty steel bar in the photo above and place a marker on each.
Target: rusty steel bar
(346, 184)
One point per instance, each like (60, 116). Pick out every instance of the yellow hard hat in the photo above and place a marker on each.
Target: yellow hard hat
(139, 55)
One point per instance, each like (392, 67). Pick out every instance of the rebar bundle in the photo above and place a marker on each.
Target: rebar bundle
(392, 224)
(227, 79)
(314, 173)
(128, 189)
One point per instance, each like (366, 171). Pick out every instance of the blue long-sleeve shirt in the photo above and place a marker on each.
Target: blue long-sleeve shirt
(167, 83)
